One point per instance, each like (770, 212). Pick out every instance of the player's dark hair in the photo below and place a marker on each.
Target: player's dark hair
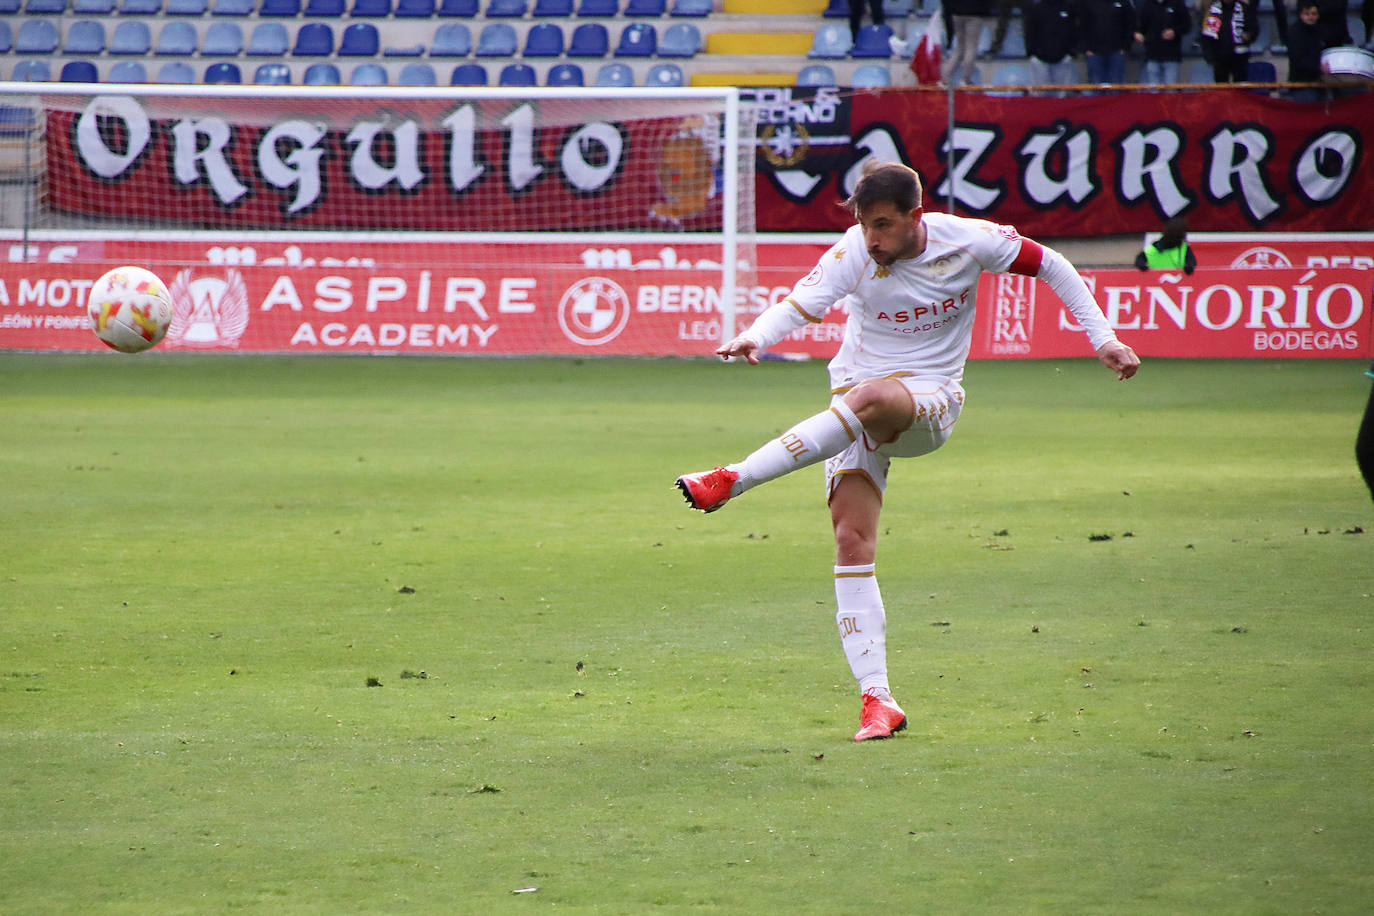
(892, 182)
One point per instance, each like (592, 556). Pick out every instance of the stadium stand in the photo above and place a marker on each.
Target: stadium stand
(468, 75)
(321, 75)
(36, 36)
(128, 71)
(615, 75)
(665, 76)
(131, 37)
(31, 71)
(221, 72)
(816, 75)
(517, 75)
(638, 39)
(544, 39)
(361, 39)
(831, 42)
(86, 36)
(565, 75)
(497, 39)
(873, 41)
(314, 39)
(268, 39)
(681, 39)
(272, 75)
(79, 71)
(222, 39)
(451, 39)
(870, 76)
(417, 74)
(368, 75)
(590, 39)
(177, 39)
(180, 72)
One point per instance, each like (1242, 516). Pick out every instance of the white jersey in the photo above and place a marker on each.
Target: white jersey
(916, 315)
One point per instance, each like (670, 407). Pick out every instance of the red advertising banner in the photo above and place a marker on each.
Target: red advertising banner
(651, 303)
(1103, 164)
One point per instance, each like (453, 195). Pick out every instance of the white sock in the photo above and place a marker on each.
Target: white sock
(863, 627)
(814, 439)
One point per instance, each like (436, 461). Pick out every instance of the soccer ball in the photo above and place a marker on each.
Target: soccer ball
(130, 309)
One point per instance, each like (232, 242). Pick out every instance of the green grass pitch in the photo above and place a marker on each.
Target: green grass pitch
(1131, 624)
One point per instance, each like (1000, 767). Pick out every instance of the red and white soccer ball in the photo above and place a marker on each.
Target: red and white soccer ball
(130, 309)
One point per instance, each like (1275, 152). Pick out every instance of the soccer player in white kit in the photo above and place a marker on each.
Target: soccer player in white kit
(909, 280)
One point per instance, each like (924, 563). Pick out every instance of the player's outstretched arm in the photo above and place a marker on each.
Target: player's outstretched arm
(1119, 358)
(741, 347)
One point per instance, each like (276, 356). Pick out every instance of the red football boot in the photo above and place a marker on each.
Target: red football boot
(879, 719)
(707, 490)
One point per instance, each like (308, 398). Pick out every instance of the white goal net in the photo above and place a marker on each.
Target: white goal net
(390, 219)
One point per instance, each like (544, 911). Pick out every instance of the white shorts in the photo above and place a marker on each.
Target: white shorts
(937, 403)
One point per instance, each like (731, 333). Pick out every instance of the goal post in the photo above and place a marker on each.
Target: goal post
(588, 211)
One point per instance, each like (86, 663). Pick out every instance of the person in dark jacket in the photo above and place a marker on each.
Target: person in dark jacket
(1108, 30)
(856, 14)
(1305, 46)
(1228, 27)
(1163, 23)
(1051, 29)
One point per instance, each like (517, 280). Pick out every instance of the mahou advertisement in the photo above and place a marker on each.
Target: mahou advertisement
(1282, 298)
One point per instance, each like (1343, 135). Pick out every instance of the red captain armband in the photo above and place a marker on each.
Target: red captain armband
(1031, 256)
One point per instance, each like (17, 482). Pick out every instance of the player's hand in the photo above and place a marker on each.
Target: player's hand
(1119, 358)
(740, 346)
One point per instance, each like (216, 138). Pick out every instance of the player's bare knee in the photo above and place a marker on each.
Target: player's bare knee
(883, 406)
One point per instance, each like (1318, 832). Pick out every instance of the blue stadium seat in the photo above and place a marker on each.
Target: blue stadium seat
(550, 8)
(368, 75)
(414, 9)
(140, 7)
(836, 9)
(360, 39)
(816, 75)
(544, 39)
(1011, 73)
(233, 7)
(898, 9)
(36, 36)
(272, 75)
(451, 39)
(1262, 71)
(31, 71)
(517, 75)
(497, 39)
(415, 74)
(186, 7)
(681, 39)
(222, 72)
(222, 39)
(615, 75)
(644, 9)
(324, 9)
(696, 8)
(314, 39)
(280, 8)
(86, 36)
(639, 39)
(870, 76)
(5, 37)
(176, 71)
(506, 9)
(371, 9)
(873, 41)
(565, 75)
(93, 7)
(79, 71)
(321, 75)
(831, 42)
(665, 76)
(128, 71)
(604, 9)
(465, 9)
(267, 40)
(590, 39)
(45, 7)
(468, 75)
(131, 36)
(177, 39)
(8, 7)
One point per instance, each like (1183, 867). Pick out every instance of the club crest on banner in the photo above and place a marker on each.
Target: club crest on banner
(211, 311)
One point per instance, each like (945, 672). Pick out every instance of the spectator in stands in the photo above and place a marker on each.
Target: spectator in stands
(1163, 23)
(1108, 31)
(1170, 251)
(1335, 29)
(1280, 26)
(1305, 46)
(969, 19)
(1051, 30)
(1228, 27)
(856, 14)
(999, 33)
